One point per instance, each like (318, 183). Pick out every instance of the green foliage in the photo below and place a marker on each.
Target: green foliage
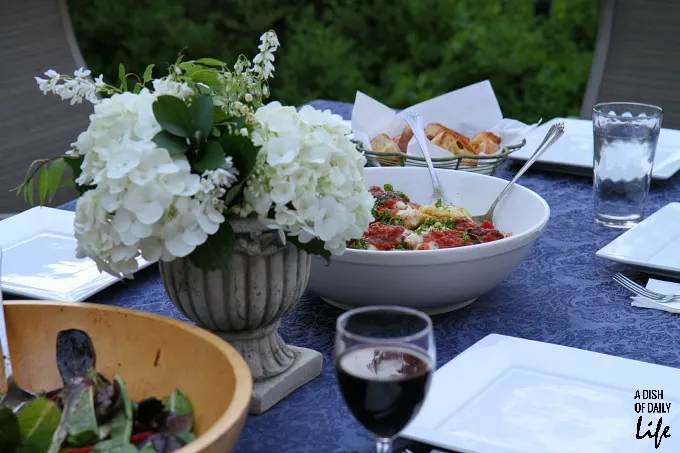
(398, 51)
(215, 253)
(48, 176)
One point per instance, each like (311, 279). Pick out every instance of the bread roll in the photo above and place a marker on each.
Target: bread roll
(404, 138)
(384, 144)
(485, 142)
(457, 144)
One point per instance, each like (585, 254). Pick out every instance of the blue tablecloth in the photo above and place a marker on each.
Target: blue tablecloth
(560, 294)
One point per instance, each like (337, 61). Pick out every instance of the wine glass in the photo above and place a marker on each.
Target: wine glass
(384, 360)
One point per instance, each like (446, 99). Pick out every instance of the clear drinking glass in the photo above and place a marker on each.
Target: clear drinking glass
(384, 360)
(625, 136)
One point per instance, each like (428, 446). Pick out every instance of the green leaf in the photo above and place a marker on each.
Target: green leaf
(75, 163)
(234, 192)
(220, 115)
(187, 437)
(206, 76)
(242, 151)
(148, 448)
(43, 178)
(38, 421)
(210, 62)
(148, 73)
(215, 253)
(10, 435)
(122, 76)
(108, 446)
(202, 114)
(175, 145)
(28, 192)
(313, 247)
(213, 157)
(173, 115)
(177, 402)
(82, 424)
(138, 87)
(121, 426)
(56, 174)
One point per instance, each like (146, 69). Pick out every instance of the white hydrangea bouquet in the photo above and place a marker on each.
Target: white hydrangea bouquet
(165, 164)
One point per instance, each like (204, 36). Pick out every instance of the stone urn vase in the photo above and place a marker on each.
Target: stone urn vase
(244, 306)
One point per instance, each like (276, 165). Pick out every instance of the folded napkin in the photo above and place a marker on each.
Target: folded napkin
(662, 287)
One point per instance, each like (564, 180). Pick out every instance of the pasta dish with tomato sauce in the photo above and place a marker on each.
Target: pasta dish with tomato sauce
(401, 224)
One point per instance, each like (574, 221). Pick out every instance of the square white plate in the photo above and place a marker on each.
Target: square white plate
(39, 258)
(573, 153)
(653, 244)
(509, 395)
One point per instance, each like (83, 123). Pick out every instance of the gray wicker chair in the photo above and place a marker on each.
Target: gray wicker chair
(637, 57)
(36, 36)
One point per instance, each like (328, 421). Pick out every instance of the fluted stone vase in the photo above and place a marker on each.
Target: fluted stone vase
(244, 306)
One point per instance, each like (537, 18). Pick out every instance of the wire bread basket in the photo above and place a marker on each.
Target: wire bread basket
(484, 164)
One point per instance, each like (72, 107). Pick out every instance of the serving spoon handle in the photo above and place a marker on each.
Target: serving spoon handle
(554, 133)
(415, 122)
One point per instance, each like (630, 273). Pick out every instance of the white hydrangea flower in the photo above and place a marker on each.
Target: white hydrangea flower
(264, 61)
(168, 86)
(75, 88)
(145, 202)
(310, 174)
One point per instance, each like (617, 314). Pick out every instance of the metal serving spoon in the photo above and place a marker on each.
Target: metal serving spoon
(554, 133)
(16, 396)
(415, 122)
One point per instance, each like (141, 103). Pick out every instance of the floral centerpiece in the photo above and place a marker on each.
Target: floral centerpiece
(166, 163)
(230, 195)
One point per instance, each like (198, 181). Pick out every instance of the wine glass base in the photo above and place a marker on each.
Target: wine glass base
(429, 311)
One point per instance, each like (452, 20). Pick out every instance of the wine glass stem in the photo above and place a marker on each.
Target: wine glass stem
(383, 445)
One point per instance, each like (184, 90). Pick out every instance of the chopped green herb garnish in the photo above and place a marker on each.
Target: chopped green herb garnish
(438, 203)
(384, 217)
(400, 247)
(403, 195)
(360, 244)
(397, 219)
(464, 235)
(389, 187)
(449, 224)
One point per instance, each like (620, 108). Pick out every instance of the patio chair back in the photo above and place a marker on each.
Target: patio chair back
(37, 35)
(637, 57)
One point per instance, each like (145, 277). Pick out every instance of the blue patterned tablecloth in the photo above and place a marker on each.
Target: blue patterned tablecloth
(560, 294)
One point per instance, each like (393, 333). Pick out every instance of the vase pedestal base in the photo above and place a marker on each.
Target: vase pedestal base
(268, 392)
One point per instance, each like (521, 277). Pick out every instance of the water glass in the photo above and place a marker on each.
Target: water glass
(625, 136)
(384, 360)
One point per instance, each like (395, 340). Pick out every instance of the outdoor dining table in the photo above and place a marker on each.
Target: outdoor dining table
(561, 293)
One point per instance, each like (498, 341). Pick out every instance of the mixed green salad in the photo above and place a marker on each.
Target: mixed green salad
(92, 414)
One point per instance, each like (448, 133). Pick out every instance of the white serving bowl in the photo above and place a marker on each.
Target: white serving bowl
(435, 281)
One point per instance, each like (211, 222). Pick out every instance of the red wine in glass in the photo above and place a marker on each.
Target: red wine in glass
(384, 386)
(384, 361)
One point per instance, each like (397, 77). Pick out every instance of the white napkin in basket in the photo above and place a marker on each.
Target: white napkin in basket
(662, 287)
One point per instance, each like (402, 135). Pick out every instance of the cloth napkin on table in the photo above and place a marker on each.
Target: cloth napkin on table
(662, 287)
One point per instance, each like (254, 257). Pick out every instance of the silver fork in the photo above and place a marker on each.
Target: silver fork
(631, 286)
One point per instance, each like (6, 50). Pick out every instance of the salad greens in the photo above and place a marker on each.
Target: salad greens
(90, 414)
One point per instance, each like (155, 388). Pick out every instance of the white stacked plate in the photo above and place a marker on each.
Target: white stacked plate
(653, 245)
(39, 258)
(509, 395)
(573, 153)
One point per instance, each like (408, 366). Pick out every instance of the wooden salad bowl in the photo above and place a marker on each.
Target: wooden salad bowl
(153, 354)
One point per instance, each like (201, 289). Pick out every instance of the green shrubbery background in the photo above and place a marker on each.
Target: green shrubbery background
(397, 51)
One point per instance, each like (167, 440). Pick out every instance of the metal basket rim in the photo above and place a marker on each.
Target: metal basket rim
(507, 150)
